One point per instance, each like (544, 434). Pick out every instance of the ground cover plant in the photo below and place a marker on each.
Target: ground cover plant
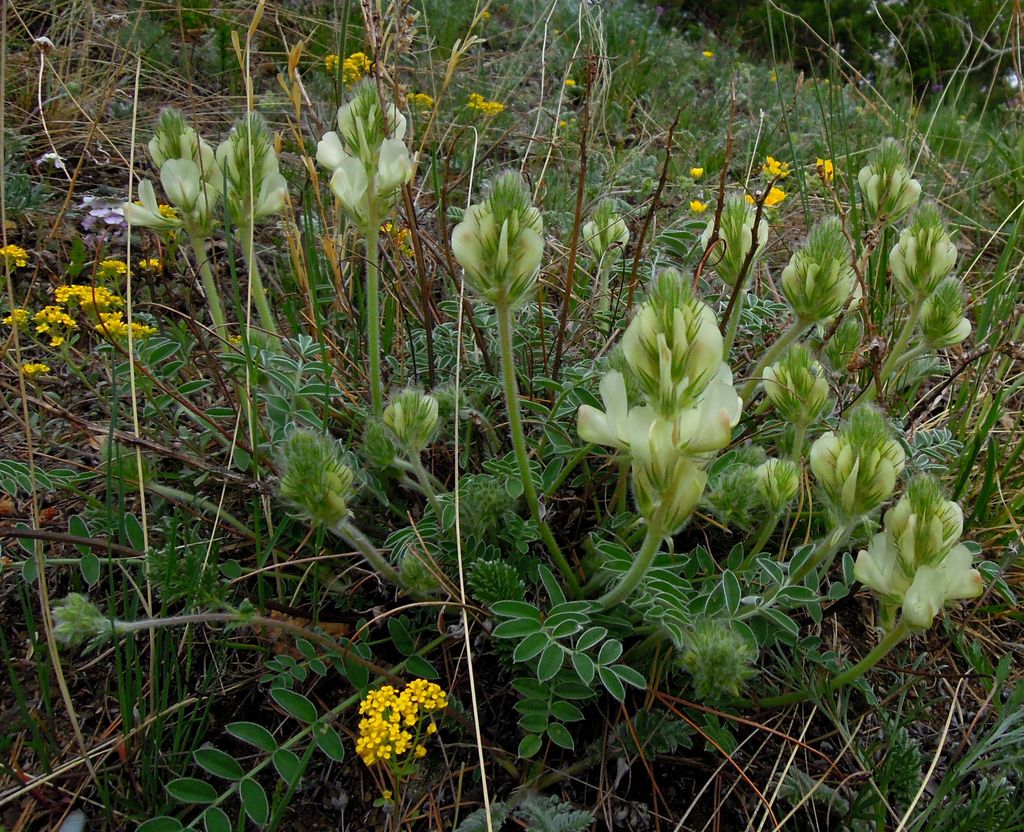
(530, 416)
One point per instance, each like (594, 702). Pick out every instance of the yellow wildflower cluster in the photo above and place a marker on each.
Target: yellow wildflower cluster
(698, 207)
(401, 237)
(697, 172)
(420, 100)
(774, 198)
(14, 256)
(394, 722)
(18, 317)
(353, 68)
(32, 369)
(55, 322)
(150, 264)
(166, 211)
(775, 169)
(111, 268)
(89, 298)
(826, 170)
(480, 104)
(112, 326)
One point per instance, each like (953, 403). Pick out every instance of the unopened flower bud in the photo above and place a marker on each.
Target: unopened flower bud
(942, 322)
(377, 444)
(797, 387)
(667, 486)
(314, 479)
(605, 230)
(77, 620)
(841, 348)
(778, 481)
(187, 191)
(173, 138)
(889, 190)
(254, 186)
(672, 346)
(411, 416)
(419, 573)
(924, 255)
(820, 276)
(917, 562)
(500, 243)
(857, 467)
(736, 230)
(718, 659)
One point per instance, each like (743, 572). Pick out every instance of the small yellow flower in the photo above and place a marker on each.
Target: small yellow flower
(111, 268)
(355, 67)
(485, 15)
(54, 321)
(570, 82)
(480, 104)
(112, 326)
(775, 197)
(18, 317)
(421, 751)
(432, 728)
(774, 168)
(422, 100)
(31, 369)
(698, 207)
(696, 173)
(89, 298)
(563, 124)
(773, 77)
(150, 264)
(168, 211)
(386, 794)
(331, 62)
(707, 53)
(14, 256)
(826, 170)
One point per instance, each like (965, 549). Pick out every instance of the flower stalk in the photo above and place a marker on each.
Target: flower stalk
(637, 570)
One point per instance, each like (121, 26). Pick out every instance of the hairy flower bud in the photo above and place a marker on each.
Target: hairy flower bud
(889, 191)
(917, 562)
(253, 184)
(778, 481)
(718, 659)
(667, 486)
(820, 276)
(500, 243)
(77, 620)
(924, 255)
(173, 138)
(672, 346)
(377, 444)
(797, 387)
(420, 575)
(858, 466)
(314, 479)
(605, 230)
(411, 416)
(736, 230)
(841, 348)
(942, 322)
(188, 192)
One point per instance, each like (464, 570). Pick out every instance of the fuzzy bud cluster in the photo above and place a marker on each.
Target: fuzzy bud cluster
(796, 386)
(820, 277)
(942, 322)
(858, 465)
(841, 348)
(736, 230)
(605, 231)
(778, 481)
(888, 188)
(718, 659)
(314, 478)
(411, 418)
(254, 188)
(918, 562)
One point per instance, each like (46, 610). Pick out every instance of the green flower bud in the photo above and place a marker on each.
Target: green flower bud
(778, 481)
(942, 322)
(736, 230)
(483, 501)
(77, 620)
(173, 138)
(917, 562)
(667, 488)
(605, 230)
(889, 191)
(841, 348)
(377, 444)
(924, 255)
(188, 192)
(718, 659)
(314, 479)
(672, 346)
(797, 387)
(732, 495)
(411, 416)
(820, 276)
(858, 466)
(420, 575)
(500, 243)
(254, 186)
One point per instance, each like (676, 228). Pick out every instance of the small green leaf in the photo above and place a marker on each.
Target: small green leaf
(529, 745)
(79, 528)
(253, 734)
(215, 820)
(401, 637)
(160, 824)
(560, 735)
(288, 765)
(612, 683)
(191, 790)
(296, 704)
(132, 529)
(218, 763)
(254, 801)
(419, 666)
(630, 676)
(516, 609)
(530, 647)
(516, 628)
(90, 566)
(591, 637)
(566, 711)
(328, 741)
(584, 666)
(28, 570)
(550, 662)
(609, 651)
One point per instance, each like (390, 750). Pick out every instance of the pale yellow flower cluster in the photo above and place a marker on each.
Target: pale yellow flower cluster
(353, 68)
(112, 325)
(480, 104)
(394, 722)
(14, 255)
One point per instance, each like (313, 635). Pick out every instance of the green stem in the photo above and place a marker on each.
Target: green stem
(603, 268)
(776, 349)
(798, 442)
(511, 388)
(628, 582)
(357, 539)
(763, 536)
(909, 356)
(423, 477)
(852, 674)
(373, 307)
(896, 352)
(732, 326)
(209, 284)
(259, 293)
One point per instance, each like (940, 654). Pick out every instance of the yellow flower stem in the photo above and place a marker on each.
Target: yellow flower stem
(641, 563)
(881, 650)
(259, 293)
(198, 244)
(511, 389)
(776, 349)
(373, 305)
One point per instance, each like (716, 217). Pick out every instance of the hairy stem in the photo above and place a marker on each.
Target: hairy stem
(362, 545)
(209, 284)
(373, 308)
(732, 326)
(628, 582)
(776, 349)
(259, 293)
